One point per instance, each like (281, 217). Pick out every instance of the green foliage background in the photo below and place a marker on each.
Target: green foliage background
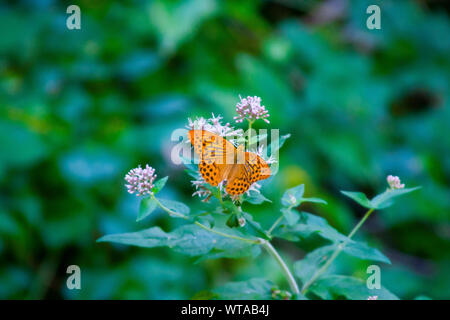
(81, 107)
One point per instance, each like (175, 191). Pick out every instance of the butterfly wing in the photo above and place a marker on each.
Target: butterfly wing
(242, 176)
(256, 168)
(211, 147)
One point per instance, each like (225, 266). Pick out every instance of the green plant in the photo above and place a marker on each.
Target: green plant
(225, 230)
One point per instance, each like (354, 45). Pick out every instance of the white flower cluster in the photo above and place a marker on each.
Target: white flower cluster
(394, 182)
(214, 125)
(250, 108)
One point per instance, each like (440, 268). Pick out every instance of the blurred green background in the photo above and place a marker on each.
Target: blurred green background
(79, 108)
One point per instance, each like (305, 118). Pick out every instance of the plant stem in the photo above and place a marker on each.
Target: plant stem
(250, 122)
(360, 223)
(289, 277)
(269, 232)
(179, 215)
(277, 222)
(338, 250)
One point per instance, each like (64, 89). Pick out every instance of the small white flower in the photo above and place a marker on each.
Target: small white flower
(140, 181)
(394, 182)
(214, 125)
(372, 298)
(250, 108)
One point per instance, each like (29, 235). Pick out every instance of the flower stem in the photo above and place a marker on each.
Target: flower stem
(250, 122)
(335, 254)
(269, 232)
(289, 277)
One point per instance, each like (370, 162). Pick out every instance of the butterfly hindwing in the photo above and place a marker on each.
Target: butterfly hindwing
(238, 183)
(211, 172)
(255, 167)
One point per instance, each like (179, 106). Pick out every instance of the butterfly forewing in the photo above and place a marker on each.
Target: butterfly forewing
(211, 147)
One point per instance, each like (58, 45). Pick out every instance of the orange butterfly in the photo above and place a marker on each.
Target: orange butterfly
(221, 160)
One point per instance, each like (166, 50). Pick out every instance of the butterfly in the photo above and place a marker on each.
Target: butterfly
(220, 160)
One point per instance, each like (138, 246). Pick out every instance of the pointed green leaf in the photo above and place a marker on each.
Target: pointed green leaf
(159, 185)
(315, 200)
(359, 197)
(293, 196)
(188, 239)
(255, 225)
(146, 206)
(148, 238)
(255, 198)
(230, 248)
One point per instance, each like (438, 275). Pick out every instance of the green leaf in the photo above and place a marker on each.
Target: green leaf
(337, 286)
(176, 206)
(253, 289)
(159, 185)
(188, 239)
(359, 197)
(293, 196)
(228, 207)
(385, 199)
(308, 225)
(290, 215)
(230, 248)
(146, 206)
(255, 198)
(363, 251)
(255, 225)
(304, 269)
(148, 238)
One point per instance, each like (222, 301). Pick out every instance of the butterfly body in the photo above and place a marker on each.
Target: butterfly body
(220, 160)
